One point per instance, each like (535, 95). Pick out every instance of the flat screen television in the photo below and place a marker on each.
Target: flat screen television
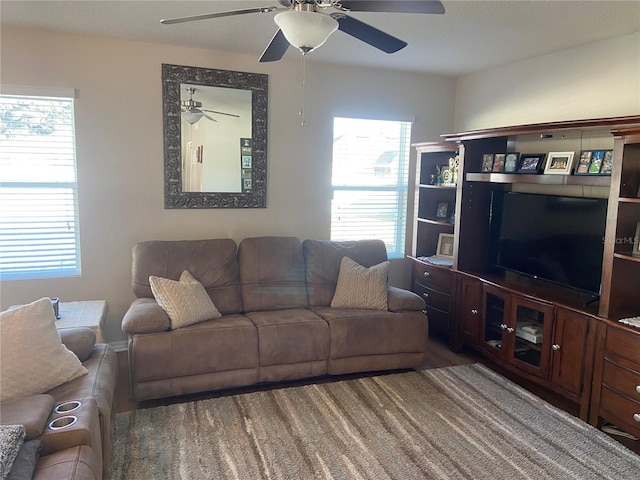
(559, 239)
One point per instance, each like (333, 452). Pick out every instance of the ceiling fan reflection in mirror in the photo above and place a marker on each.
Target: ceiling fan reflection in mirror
(192, 112)
(305, 25)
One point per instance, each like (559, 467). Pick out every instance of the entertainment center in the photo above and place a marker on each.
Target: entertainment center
(543, 266)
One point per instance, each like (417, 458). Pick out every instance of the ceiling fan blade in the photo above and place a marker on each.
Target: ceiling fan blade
(394, 6)
(368, 34)
(229, 13)
(276, 48)
(221, 113)
(208, 117)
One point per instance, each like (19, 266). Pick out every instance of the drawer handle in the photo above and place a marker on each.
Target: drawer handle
(636, 417)
(475, 312)
(425, 295)
(503, 326)
(555, 347)
(510, 330)
(426, 274)
(638, 388)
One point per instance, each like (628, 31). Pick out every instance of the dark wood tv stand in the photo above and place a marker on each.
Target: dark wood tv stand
(552, 336)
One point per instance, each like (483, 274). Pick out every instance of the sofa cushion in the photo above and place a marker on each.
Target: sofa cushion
(227, 343)
(290, 336)
(32, 412)
(213, 262)
(322, 259)
(32, 356)
(272, 273)
(361, 287)
(369, 332)
(399, 300)
(145, 316)
(185, 301)
(80, 340)
(77, 463)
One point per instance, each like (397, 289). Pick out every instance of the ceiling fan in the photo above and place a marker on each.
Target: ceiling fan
(304, 24)
(192, 112)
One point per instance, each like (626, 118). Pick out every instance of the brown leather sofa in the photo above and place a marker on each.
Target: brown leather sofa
(277, 324)
(81, 450)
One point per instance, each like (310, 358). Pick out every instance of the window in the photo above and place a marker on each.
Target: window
(369, 179)
(38, 189)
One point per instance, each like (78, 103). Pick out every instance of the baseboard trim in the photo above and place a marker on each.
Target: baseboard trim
(120, 346)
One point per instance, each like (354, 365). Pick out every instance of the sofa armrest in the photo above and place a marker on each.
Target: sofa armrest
(32, 412)
(145, 316)
(80, 340)
(400, 299)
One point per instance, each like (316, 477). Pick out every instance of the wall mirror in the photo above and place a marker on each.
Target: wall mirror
(215, 138)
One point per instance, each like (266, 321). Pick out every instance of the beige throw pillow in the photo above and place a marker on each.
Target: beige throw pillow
(185, 301)
(361, 287)
(33, 359)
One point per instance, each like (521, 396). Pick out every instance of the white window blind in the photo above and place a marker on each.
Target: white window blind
(369, 180)
(39, 235)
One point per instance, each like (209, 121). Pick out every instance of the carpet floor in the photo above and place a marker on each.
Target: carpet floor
(462, 422)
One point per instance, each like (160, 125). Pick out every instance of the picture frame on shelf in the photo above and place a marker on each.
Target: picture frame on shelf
(487, 162)
(559, 163)
(511, 162)
(442, 210)
(596, 162)
(582, 168)
(636, 242)
(531, 163)
(444, 249)
(607, 163)
(498, 162)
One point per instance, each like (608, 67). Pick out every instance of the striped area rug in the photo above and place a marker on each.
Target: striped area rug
(462, 422)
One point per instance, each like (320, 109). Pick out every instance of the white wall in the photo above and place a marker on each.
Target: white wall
(592, 81)
(120, 149)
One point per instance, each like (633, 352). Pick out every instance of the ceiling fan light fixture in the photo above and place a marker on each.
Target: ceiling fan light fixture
(306, 30)
(192, 117)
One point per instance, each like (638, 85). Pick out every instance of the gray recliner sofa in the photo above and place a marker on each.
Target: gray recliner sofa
(277, 322)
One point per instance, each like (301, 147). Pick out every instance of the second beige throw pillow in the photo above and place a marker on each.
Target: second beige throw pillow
(361, 287)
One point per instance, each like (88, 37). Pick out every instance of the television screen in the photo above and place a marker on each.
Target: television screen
(554, 238)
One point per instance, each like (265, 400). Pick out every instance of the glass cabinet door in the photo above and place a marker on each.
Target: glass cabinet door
(494, 307)
(531, 327)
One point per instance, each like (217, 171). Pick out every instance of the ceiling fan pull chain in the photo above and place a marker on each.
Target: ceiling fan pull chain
(302, 75)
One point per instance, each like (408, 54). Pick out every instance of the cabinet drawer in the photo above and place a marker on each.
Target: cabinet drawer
(438, 321)
(433, 298)
(429, 275)
(621, 411)
(623, 380)
(622, 344)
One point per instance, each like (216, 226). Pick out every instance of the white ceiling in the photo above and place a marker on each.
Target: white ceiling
(472, 35)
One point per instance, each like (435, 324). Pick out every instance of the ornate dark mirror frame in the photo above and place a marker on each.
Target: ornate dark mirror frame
(172, 77)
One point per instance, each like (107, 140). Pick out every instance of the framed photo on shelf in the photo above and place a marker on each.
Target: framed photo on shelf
(531, 162)
(487, 162)
(559, 163)
(445, 246)
(442, 210)
(594, 162)
(511, 162)
(607, 163)
(498, 162)
(636, 242)
(583, 163)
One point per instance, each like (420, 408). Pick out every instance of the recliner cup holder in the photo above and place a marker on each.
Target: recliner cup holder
(67, 407)
(62, 422)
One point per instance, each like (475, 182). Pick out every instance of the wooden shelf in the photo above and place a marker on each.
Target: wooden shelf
(629, 200)
(624, 256)
(441, 223)
(438, 187)
(595, 181)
